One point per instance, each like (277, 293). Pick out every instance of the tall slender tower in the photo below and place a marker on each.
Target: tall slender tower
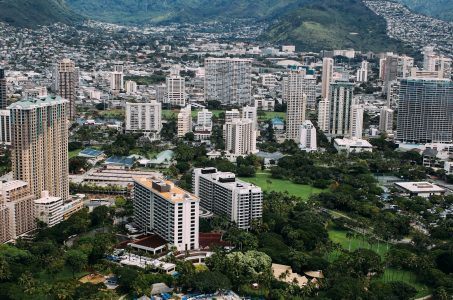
(296, 99)
(340, 108)
(40, 144)
(117, 79)
(3, 100)
(66, 81)
(327, 74)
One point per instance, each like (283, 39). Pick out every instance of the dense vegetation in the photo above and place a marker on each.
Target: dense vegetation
(30, 13)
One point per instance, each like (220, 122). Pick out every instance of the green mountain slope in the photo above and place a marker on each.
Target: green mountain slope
(442, 9)
(155, 11)
(30, 13)
(333, 24)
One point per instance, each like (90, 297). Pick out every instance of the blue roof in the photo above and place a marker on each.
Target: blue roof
(90, 152)
(277, 121)
(120, 160)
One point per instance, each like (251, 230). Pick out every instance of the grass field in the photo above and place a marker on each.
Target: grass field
(272, 114)
(267, 183)
(74, 153)
(390, 275)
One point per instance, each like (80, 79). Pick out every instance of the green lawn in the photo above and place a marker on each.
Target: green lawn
(74, 153)
(339, 236)
(391, 275)
(267, 183)
(271, 114)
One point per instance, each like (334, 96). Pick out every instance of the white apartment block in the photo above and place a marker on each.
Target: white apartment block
(176, 90)
(264, 104)
(49, 209)
(250, 112)
(184, 121)
(145, 118)
(223, 194)
(240, 137)
(323, 115)
(5, 127)
(269, 80)
(204, 120)
(386, 120)
(362, 72)
(130, 87)
(167, 210)
(39, 140)
(230, 115)
(296, 100)
(17, 215)
(228, 80)
(356, 126)
(308, 138)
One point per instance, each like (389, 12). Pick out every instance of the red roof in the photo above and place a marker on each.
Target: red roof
(208, 240)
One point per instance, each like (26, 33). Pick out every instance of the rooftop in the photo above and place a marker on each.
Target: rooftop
(353, 143)
(90, 152)
(120, 160)
(166, 189)
(420, 187)
(30, 103)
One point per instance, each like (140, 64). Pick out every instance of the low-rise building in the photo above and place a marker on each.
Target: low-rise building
(352, 145)
(420, 189)
(49, 209)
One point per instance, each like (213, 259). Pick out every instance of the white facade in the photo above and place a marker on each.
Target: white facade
(228, 80)
(223, 194)
(49, 209)
(296, 100)
(352, 145)
(356, 126)
(167, 210)
(230, 115)
(185, 121)
(176, 90)
(263, 104)
(308, 139)
(130, 87)
(240, 137)
(386, 120)
(117, 79)
(250, 112)
(204, 120)
(362, 72)
(323, 115)
(144, 117)
(341, 101)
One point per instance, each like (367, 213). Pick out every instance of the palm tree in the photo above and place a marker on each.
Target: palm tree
(349, 235)
(129, 249)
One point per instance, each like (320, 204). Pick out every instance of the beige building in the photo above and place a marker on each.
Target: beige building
(176, 90)
(66, 80)
(49, 209)
(296, 99)
(39, 140)
(327, 74)
(16, 210)
(185, 121)
(240, 137)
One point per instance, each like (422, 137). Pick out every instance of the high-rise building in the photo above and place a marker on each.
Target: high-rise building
(405, 64)
(425, 111)
(341, 100)
(390, 71)
(224, 194)
(3, 94)
(185, 121)
(362, 72)
(176, 90)
(65, 84)
(167, 210)
(250, 112)
(228, 80)
(356, 127)
(5, 127)
(308, 138)
(296, 101)
(39, 139)
(130, 87)
(204, 120)
(240, 137)
(230, 115)
(145, 118)
(48, 209)
(117, 79)
(429, 59)
(17, 215)
(327, 75)
(386, 120)
(323, 115)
